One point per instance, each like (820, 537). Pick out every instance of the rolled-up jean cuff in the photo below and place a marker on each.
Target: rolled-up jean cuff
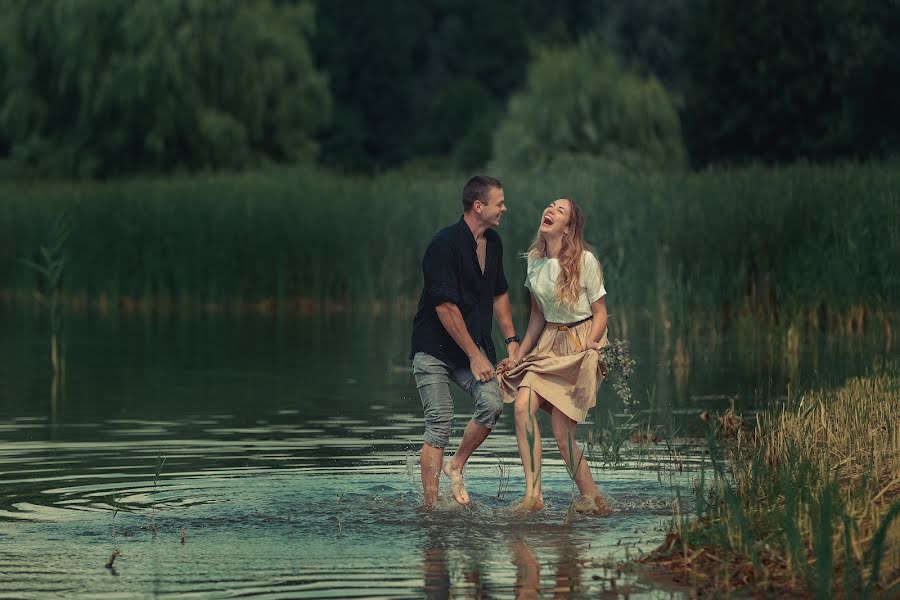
(435, 441)
(488, 406)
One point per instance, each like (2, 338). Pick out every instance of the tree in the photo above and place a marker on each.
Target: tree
(98, 88)
(579, 101)
(647, 37)
(413, 79)
(779, 80)
(373, 53)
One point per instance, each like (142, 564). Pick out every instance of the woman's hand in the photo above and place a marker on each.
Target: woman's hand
(510, 361)
(593, 346)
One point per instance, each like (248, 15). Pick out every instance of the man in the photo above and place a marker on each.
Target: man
(451, 340)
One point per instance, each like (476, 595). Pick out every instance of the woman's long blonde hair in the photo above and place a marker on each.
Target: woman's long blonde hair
(568, 284)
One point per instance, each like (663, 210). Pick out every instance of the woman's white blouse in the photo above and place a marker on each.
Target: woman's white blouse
(541, 280)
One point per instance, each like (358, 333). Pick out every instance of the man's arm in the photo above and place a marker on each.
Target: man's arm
(503, 314)
(453, 322)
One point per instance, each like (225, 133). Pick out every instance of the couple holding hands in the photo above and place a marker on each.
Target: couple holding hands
(556, 366)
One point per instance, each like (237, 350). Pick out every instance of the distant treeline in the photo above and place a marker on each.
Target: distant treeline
(106, 88)
(806, 246)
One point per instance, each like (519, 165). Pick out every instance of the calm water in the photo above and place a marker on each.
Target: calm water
(287, 453)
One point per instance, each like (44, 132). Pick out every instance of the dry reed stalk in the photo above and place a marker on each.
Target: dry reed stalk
(827, 469)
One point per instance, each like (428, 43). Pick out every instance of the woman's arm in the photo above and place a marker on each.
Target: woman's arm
(598, 308)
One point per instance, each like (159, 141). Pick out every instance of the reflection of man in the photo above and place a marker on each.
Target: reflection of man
(451, 340)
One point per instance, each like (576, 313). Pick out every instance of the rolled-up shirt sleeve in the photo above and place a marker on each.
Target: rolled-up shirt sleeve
(440, 268)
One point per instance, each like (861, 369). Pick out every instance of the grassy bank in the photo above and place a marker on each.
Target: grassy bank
(804, 501)
(810, 246)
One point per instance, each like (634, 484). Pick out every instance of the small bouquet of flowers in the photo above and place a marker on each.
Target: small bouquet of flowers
(620, 366)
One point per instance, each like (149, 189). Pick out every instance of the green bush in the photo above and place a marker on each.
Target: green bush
(579, 101)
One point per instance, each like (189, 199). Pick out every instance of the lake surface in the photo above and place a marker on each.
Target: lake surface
(284, 450)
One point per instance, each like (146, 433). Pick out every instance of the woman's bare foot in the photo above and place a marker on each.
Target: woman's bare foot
(529, 503)
(457, 484)
(595, 505)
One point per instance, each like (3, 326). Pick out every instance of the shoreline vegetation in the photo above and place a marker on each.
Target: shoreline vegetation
(801, 248)
(803, 502)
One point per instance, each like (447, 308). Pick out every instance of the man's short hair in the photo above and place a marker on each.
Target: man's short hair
(478, 188)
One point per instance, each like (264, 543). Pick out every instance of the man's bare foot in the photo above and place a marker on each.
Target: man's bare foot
(457, 484)
(595, 505)
(529, 503)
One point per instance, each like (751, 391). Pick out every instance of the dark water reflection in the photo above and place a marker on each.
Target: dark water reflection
(289, 449)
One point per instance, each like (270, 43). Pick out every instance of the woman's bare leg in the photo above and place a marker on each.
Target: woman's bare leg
(564, 432)
(528, 437)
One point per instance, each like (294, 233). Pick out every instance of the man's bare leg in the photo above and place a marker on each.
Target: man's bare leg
(474, 435)
(431, 460)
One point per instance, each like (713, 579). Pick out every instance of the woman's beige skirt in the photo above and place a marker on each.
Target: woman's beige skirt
(559, 370)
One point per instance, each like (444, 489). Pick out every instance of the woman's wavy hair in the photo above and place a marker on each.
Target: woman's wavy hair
(568, 284)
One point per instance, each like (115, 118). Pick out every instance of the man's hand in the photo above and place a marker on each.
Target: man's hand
(481, 368)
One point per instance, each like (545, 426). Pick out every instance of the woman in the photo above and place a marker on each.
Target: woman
(558, 365)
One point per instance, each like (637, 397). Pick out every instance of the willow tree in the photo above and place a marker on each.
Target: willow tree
(96, 88)
(579, 101)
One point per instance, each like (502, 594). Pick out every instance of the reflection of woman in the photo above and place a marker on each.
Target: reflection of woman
(528, 571)
(558, 365)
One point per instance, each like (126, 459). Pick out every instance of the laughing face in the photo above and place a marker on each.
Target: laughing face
(555, 218)
(492, 208)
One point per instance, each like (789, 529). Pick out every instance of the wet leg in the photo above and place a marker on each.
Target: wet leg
(528, 437)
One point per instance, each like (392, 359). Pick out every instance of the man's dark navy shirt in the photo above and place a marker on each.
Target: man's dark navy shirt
(452, 274)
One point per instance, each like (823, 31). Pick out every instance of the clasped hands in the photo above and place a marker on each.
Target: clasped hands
(513, 360)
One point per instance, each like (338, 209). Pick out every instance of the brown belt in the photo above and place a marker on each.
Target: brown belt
(568, 327)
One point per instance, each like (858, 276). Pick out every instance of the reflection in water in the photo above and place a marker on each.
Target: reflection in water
(437, 580)
(567, 579)
(437, 573)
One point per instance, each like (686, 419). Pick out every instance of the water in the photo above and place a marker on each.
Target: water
(285, 452)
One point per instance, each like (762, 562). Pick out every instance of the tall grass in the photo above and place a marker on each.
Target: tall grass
(807, 501)
(813, 246)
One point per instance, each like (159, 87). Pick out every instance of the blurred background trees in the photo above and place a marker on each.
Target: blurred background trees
(105, 88)
(96, 88)
(780, 80)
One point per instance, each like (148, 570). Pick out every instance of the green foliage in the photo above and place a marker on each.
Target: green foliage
(780, 80)
(647, 36)
(580, 102)
(417, 78)
(97, 88)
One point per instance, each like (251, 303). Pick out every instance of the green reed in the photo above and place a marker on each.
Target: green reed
(157, 471)
(807, 500)
(50, 266)
(815, 246)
